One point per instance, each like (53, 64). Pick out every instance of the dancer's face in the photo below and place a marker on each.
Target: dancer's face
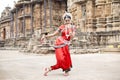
(67, 20)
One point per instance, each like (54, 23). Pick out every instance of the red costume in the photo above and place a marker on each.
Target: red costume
(62, 49)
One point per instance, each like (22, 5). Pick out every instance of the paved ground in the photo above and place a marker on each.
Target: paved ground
(19, 66)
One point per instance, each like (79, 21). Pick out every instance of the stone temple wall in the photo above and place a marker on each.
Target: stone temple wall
(30, 17)
(99, 16)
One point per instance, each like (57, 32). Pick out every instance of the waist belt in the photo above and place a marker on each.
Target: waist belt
(65, 42)
(59, 46)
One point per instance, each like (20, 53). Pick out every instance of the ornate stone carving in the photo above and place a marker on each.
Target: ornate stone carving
(115, 9)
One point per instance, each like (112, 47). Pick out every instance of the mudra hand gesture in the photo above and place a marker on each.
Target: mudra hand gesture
(42, 38)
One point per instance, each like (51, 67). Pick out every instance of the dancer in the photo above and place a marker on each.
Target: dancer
(62, 53)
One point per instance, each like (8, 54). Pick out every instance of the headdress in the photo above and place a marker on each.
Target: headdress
(67, 15)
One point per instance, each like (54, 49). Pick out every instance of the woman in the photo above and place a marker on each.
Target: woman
(62, 46)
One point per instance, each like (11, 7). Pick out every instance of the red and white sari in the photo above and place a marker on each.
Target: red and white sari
(62, 49)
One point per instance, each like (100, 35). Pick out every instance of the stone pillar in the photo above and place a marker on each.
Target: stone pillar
(116, 13)
(45, 5)
(83, 16)
(16, 23)
(24, 22)
(11, 25)
(50, 5)
(90, 22)
(100, 14)
(108, 14)
(32, 30)
(115, 7)
(100, 8)
(109, 21)
(108, 5)
(37, 16)
(119, 38)
(89, 9)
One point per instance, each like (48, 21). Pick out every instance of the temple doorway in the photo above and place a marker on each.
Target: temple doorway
(4, 34)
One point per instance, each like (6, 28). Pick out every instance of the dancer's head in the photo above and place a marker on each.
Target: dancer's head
(67, 17)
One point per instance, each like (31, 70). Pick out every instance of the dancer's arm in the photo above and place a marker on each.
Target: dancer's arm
(53, 34)
(72, 34)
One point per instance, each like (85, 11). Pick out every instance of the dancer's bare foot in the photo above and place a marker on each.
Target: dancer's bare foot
(46, 71)
(66, 74)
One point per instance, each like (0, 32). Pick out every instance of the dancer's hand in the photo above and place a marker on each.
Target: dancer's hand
(42, 39)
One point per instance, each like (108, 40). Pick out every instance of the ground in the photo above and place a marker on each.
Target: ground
(19, 66)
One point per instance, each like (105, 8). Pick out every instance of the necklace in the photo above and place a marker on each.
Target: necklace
(67, 27)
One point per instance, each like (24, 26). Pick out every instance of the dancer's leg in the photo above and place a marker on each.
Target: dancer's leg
(47, 70)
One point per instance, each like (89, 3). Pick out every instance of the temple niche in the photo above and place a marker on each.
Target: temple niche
(90, 9)
(116, 14)
(115, 9)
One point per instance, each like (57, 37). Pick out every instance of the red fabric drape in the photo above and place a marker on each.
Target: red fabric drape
(62, 54)
(63, 58)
